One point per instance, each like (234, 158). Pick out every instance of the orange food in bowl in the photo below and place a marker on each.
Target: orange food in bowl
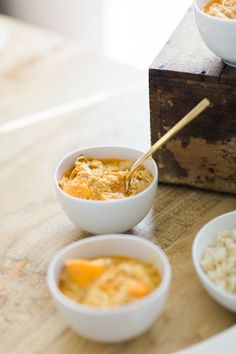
(83, 271)
(103, 179)
(107, 281)
(221, 8)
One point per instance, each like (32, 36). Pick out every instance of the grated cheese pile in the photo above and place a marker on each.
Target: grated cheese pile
(219, 261)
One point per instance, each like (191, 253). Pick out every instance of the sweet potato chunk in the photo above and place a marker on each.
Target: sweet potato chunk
(75, 190)
(137, 288)
(83, 271)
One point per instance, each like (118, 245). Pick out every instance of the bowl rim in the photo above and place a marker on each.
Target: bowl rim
(196, 262)
(108, 311)
(214, 18)
(105, 202)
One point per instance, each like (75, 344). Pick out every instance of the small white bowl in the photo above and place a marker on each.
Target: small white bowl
(218, 34)
(122, 322)
(206, 236)
(109, 216)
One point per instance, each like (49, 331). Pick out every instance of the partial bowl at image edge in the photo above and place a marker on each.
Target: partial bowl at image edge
(218, 34)
(206, 236)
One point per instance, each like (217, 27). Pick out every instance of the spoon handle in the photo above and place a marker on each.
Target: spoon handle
(201, 106)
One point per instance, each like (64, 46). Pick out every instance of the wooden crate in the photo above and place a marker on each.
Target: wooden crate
(204, 153)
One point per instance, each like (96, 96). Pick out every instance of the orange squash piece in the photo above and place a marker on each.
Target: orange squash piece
(137, 288)
(83, 271)
(77, 190)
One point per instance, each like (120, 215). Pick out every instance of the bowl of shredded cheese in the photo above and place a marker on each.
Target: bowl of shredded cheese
(214, 259)
(90, 185)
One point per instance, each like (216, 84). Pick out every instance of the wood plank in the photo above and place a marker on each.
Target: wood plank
(203, 154)
(185, 55)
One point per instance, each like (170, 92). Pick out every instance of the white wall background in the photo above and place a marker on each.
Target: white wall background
(130, 31)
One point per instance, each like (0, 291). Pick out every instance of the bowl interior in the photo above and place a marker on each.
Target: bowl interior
(200, 3)
(108, 245)
(104, 152)
(112, 245)
(209, 232)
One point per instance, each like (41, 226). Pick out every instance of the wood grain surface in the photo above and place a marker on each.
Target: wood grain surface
(33, 137)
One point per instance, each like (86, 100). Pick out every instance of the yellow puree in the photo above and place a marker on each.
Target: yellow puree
(107, 281)
(221, 8)
(103, 179)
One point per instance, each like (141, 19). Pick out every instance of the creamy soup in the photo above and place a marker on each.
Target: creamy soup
(103, 179)
(107, 281)
(221, 8)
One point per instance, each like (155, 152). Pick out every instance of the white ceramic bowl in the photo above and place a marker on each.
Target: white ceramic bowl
(205, 237)
(218, 34)
(109, 216)
(121, 322)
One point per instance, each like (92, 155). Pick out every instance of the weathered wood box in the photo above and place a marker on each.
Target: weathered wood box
(203, 154)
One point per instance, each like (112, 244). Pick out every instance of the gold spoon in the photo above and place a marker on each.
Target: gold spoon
(201, 106)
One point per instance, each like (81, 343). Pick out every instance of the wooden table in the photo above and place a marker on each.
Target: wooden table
(56, 97)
